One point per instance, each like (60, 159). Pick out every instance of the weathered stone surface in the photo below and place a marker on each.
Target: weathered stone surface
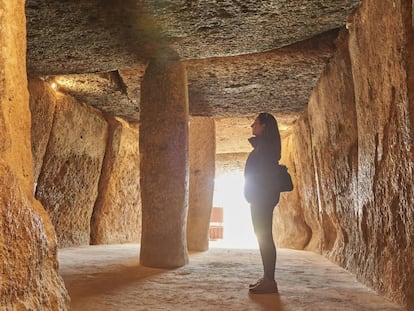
(29, 270)
(117, 92)
(215, 28)
(308, 281)
(202, 150)
(14, 110)
(120, 187)
(230, 162)
(279, 81)
(163, 144)
(29, 274)
(117, 213)
(89, 40)
(289, 227)
(305, 183)
(358, 137)
(356, 194)
(68, 182)
(334, 139)
(384, 96)
(42, 106)
(94, 36)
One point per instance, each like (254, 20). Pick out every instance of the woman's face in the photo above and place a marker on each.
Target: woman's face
(257, 127)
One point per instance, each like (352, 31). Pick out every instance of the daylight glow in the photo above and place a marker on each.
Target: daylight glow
(238, 230)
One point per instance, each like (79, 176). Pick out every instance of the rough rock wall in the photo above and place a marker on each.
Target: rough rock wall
(42, 106)
(68, 182)
(379, 58)
(117, 213)
(356, 143)
(289, 226)
(70, 167)
(334, 147)
(304, 182)
(230, 162)
(30, 279)
(29, 267)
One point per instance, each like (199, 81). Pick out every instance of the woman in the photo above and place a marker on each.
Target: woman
(263, 195)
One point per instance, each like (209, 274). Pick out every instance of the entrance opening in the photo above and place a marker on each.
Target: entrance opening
(237, 227)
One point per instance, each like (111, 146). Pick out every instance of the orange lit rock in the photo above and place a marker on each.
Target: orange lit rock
(68, 182)
(117, 213)
(42, 106)
(202, 150)
(29, 278)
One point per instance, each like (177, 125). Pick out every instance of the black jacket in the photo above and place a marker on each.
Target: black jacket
(260, 186)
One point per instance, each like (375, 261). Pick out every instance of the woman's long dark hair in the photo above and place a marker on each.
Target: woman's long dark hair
(271, 132)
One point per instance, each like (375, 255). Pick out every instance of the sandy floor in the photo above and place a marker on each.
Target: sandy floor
(110, 278)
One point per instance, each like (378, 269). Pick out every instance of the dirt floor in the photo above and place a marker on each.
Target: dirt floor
(101, 278)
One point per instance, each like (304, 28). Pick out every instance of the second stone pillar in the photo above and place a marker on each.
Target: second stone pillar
(163, 143)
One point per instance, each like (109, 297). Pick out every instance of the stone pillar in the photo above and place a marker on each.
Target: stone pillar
(163, 144)
(202, 150)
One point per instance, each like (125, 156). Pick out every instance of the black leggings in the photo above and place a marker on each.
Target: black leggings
(262, 218)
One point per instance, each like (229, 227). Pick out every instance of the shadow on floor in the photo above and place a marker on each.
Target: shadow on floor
(109, 278)
(267, 302)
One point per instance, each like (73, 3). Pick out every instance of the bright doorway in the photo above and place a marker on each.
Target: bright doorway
(237, 225)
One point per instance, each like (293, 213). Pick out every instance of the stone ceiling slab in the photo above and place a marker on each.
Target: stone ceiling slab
(278, 81)
(117, 93)
(242, 57)
(85, 36)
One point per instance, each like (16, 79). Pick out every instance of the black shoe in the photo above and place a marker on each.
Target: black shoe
(265, 287)
(255, 284)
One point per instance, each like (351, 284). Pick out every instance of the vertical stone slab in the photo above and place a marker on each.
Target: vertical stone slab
(335, 152)
(163, 144)
(68, 182)
(202, 149)
(359, 142)
(29, 278)
(116, 216)
(28, 251)
(306, 185)
(15, 114)
(289, 226)
(381, 60)
(42, 107)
